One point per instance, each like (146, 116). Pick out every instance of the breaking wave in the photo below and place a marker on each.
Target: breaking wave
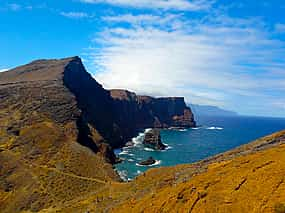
(157, 162)
(148, 149)
(215, 128)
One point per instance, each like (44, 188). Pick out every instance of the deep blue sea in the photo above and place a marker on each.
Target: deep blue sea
(215, 135)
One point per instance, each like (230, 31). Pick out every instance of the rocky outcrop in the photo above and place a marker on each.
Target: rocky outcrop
(148, 162)
(152, 139)
(135, 112)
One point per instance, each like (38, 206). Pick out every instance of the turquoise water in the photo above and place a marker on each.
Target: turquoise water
(215, 135)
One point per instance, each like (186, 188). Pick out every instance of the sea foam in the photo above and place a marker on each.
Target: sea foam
(123, 175)
(215, 128)
(157, 162)
(139, 139)
(148, 149)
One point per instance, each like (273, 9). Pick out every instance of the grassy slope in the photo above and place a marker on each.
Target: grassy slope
(250, 178)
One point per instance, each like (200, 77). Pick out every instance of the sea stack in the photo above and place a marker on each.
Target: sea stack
(152, 139)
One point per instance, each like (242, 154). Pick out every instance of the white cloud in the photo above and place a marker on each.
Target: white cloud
(138, 19)
(167, 20)
(3, 70)
(75, 15)
(194, 5)
(218, 62)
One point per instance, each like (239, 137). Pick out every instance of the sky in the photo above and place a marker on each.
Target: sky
(225, 53)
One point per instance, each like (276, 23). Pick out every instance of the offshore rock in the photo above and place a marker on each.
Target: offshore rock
(148, 162)
(152, 139)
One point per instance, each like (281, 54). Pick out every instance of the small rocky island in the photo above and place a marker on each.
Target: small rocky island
(152, 139)
(148, 162)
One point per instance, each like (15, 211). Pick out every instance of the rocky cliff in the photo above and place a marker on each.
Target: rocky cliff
(52, 127)
(134, 112)
(58, 127)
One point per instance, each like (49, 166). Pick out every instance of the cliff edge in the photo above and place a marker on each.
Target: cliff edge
(134, 112)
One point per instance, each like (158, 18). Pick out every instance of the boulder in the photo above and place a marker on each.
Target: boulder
(149, 161)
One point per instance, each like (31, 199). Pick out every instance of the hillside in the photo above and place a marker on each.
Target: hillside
(249, 178)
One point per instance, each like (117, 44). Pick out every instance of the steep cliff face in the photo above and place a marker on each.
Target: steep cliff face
(171, 112)
(94, 101)
(135, 112)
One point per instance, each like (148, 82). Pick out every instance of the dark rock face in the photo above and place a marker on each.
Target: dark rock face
(94, 101)
(148, 162)
(135, 112)
(152, 139)
(172, 112)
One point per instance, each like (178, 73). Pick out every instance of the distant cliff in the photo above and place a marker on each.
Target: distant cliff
(135, 112)
(206, 110)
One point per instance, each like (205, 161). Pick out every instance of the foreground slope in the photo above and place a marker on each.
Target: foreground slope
(250, 178)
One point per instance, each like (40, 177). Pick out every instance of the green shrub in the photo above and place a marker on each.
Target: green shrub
(279, 208)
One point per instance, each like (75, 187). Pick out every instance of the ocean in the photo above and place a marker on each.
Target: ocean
(214, 135)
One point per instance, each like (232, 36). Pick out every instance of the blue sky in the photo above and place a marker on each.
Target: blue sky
(217, 52)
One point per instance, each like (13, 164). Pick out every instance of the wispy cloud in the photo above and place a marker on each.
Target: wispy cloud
(193, 5)
(75, 15)
(218, 60)
(14, 7)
